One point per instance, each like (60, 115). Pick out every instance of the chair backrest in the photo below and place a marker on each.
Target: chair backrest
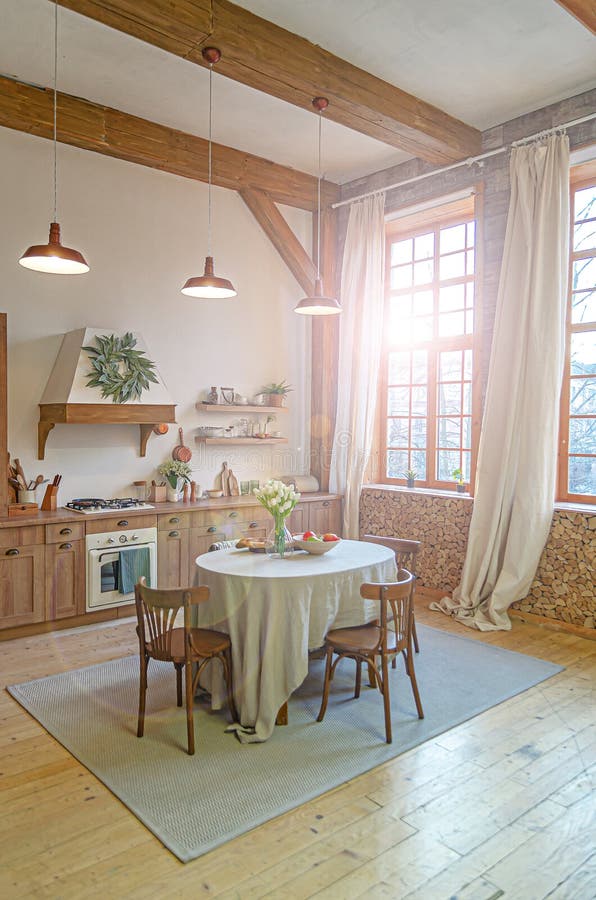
(395, 602)
(406, 552)
(222, 545)
(157, 610)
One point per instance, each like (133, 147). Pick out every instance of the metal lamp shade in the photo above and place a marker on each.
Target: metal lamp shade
(208, 286)
(318, 305)
(53, 258)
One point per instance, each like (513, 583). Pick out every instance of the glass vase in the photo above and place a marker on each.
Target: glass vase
(279, 541)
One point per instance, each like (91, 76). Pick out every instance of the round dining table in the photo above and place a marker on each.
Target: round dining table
(276, 611)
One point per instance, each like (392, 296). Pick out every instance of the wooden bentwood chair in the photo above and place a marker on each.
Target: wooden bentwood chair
(364, 643)
(406, 556)
(185, 647)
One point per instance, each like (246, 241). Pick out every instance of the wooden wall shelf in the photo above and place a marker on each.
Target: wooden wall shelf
(238, 408)
(145, 415)
(240, 441)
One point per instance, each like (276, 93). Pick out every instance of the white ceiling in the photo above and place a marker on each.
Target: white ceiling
(481, 61)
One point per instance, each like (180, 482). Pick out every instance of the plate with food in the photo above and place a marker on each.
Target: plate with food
(316, 544)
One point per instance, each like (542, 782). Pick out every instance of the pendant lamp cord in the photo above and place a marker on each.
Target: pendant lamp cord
(55, 108)
(319, 201)
(209, 253)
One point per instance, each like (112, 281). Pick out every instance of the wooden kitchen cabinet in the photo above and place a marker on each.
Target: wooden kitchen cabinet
(172, 558)
(298, 518)
(65, 579)
(22, 576)
(325, 516)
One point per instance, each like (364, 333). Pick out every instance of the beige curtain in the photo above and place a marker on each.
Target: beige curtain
(515, 478)
(361, 329)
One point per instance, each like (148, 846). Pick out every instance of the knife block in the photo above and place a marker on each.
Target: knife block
(50, 500)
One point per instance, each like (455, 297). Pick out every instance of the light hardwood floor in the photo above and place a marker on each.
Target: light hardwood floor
(501, 806)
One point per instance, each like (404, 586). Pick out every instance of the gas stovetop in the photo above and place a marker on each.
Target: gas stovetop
(88, 505)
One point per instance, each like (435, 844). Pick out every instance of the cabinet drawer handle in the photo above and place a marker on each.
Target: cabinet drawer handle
(13, 552)
(326, 502)
(123, 523)
(212, 529)
(174, 520)
(66, 531)
(254, 525)
(233, 514)
(66, 546)
(174, 534)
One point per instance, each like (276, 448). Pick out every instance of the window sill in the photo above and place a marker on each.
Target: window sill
(574, 506)
(429, 492)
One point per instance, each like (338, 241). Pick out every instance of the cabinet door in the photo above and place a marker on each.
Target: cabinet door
(22, 598)
(199, 543)
(65, 579)
(172, 558)
(325, 516)
(298, 518)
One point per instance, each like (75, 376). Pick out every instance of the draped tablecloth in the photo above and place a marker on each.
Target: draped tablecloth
(275, 611)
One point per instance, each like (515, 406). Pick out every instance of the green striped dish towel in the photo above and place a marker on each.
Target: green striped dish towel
(134, 563)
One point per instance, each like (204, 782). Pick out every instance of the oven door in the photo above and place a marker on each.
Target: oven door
(102, 578)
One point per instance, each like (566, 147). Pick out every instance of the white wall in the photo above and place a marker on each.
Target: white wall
(143, 233)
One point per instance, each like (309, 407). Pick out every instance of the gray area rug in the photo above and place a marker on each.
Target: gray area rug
(193, 804)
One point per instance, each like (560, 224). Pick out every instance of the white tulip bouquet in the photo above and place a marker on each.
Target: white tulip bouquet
(279, 499)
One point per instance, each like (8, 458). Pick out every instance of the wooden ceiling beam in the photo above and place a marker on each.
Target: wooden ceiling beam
(91, 126)
(582, 10)
(269, 58)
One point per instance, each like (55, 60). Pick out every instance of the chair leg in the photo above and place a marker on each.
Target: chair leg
(358, 678)
(386, 699)
(190, 731)
(414, 634)
(144, 660)
(323, 708)
(414, 683)
(178, 667)
(372, 681)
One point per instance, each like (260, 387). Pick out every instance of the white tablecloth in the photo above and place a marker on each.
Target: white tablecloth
(275, 611)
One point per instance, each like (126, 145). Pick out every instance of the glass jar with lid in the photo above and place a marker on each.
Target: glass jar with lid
(139, 491)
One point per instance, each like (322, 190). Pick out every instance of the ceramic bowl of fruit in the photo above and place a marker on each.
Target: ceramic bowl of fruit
(315, 543)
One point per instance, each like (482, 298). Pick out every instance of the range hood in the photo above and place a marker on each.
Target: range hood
(68, 398)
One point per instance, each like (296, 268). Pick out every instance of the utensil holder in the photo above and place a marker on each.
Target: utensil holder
(27, 497)
(50, 500)
(157, 494)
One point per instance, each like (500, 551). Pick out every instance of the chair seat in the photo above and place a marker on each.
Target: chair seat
(205, 643)
(365, 638)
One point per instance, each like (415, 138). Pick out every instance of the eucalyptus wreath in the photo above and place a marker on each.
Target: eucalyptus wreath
(121, 372)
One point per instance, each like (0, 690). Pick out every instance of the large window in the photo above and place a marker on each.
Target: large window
(577, 458)
(427, 368)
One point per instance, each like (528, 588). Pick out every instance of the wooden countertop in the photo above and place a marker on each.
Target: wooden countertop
(68, 515)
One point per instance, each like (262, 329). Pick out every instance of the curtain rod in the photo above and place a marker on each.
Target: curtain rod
(465, 162)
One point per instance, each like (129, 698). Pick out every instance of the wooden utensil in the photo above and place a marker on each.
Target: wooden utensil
(180, 452)
(233, 485)
(225, 474)
(20, 474)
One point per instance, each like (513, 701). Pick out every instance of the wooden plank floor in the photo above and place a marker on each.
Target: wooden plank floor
(501, 806)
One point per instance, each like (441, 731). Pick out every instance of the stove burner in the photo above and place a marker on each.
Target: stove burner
(93, 503)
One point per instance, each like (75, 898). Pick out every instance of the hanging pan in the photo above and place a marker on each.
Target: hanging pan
(180, 452)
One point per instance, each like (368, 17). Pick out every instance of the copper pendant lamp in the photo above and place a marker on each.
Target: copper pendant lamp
(318, 304)
(209, 286)
(53, 257)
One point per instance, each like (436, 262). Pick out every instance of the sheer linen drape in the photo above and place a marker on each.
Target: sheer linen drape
(361, 330)
(515, 478)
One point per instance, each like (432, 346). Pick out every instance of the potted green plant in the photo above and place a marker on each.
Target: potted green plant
(275, 393)
(459, 478)
(410, 475)
(175, 472)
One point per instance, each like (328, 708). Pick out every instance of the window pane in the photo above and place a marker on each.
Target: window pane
(470, 293)
(419, 433)
(466, 465)
(583, 397)
(401, 277)
(450, 365)
(447, 462)
(422, 328)
(582, 475)
(399, 368)
(453, 266)
(401, 252)
(449, 399)
(398, 401)
(467, 432)
(582, 436)
(470, 263)
(584, 236)
(452, 324)
(453, 238)
(419, 401)
(584, 274)
(418, 463)
(419, 367)
(467, 364)
(583, 353)
(467, 397)
(452, 297)
(585, 203)
(449, 432)
(470, 321)
(398, 432)
(397, 463)
(423, 302)
(583, 307)
(424, 246)
(423, 272)
(471, 230)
